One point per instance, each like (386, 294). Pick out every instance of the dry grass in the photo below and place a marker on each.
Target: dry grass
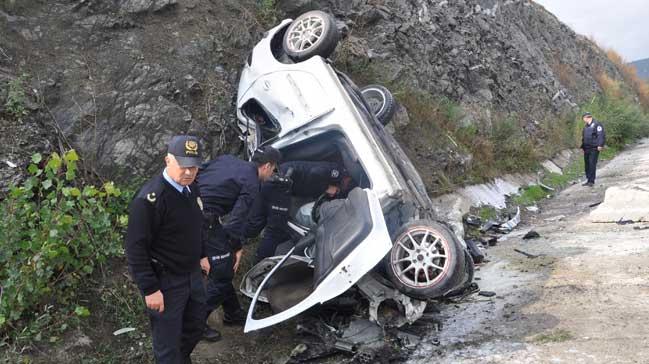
(565, 74)
(639, 86)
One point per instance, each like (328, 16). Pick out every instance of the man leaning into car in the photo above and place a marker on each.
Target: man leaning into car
(304, 179)
(229, 186)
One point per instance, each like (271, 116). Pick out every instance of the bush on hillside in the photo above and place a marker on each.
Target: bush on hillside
(55, 232)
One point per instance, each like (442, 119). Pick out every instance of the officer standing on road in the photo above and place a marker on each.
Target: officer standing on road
(304, 179)
(229, 186)
(165, 252)
(592, 142)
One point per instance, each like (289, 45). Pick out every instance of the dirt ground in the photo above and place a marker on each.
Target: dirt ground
(582, 300)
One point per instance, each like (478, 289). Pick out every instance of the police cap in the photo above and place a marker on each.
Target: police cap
(186, 149)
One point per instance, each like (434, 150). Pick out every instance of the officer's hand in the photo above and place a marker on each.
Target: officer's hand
(155, 301)
(237, 259)
(599, 149)
(205, 266)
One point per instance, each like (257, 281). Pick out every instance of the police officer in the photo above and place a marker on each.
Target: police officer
(165, 252)
(592, 142)
(229, 186)
(307, 180)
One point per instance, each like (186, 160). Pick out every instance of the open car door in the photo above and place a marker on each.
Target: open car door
(350, 239)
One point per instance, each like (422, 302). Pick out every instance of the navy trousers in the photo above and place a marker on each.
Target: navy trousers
(590, 163)
(277, 215)
(178, 329)
(220, 291)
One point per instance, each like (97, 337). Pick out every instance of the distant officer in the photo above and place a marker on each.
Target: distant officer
(229, 186)
(592, 142)
(165, 252)
(307, 180)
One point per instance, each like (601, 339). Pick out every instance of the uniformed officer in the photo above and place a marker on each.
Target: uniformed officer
(165, 250)
(592, 142)
(307, 180)
(229, 186)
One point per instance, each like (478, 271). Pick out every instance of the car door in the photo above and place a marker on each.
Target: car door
(351, 238)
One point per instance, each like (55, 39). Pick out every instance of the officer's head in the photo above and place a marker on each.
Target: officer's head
(587, 118)
(267, 158)
(183, 159)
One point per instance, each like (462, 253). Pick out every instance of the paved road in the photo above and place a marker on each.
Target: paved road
(584, 300)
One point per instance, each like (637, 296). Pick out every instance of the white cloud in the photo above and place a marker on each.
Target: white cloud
(619, 24)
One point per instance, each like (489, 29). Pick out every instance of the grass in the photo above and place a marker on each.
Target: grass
(487, 213)
(530, 196)
(556, 336)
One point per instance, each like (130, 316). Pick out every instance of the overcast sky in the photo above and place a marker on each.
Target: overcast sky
(619, 24)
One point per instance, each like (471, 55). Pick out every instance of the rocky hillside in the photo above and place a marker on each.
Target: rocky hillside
(114, 79)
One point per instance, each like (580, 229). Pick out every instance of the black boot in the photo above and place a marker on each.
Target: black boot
(209, 334)
(235, 318)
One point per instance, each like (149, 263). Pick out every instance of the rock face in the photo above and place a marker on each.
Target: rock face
(115, 79)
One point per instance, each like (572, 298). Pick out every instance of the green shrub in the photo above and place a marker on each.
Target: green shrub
(55, 232)
(16, 98)
(513, 149)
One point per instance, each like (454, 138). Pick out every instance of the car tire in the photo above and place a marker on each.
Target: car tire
(381, 102)
(313, 33)
(426, 260)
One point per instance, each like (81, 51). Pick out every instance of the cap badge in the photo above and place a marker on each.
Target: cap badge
(151, 197)
(335, 173)
(191, 147)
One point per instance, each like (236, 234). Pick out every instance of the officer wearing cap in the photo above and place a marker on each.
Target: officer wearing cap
(301, 179)
(165, 250)
(592, 142)
(229, 186)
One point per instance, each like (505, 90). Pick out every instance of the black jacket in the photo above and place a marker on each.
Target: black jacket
(165, 229)
(593, 135)
(229, 186)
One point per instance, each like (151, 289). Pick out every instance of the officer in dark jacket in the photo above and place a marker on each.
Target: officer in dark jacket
(303, 179)
(165, 250)
(592, 142)
(229, 186)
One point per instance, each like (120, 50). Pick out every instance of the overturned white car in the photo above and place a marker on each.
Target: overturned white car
(383, 238)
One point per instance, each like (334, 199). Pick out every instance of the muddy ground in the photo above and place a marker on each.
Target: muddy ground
(582, 300)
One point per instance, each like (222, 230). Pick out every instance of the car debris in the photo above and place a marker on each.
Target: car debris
(595, 204)
(531, 235)
(533, 208)
(641, 228)
(486, 293)
(473, 220)
(476, 250)
(11, 164)
(545, 187)
(512, 223)
(531, 256)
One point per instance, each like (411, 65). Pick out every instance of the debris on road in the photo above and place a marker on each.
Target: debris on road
(476, 250)
(473, 220)
(531, 235)
(641, 227)
(595, 204)
(532, 208)
(512, 223)
(531, 256)
(486, 293)
(624, 222)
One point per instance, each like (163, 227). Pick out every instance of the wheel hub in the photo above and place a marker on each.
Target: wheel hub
(420, 257)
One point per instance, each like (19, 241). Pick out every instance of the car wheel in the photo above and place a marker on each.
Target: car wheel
(380, 101)
(426, 261)
(311, 34)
